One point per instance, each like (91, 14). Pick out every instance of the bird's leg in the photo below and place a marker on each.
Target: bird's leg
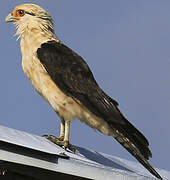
(62, 130)
(63, 139)
(66, 134)
(66, 143)
(58, 140)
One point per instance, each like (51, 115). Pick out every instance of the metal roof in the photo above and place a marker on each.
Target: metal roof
(32, 150)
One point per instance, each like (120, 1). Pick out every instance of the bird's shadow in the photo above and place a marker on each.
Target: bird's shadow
(101, 159)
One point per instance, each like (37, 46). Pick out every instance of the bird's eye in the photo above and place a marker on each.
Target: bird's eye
(21, 12)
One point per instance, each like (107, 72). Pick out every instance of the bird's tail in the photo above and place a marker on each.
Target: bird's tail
(136, 144)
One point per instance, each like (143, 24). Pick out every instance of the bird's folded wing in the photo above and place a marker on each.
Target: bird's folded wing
(73, 76)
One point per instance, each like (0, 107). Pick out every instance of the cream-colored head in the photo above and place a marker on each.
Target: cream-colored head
(30, 17)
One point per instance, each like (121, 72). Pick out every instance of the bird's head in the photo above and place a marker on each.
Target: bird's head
(30, 16)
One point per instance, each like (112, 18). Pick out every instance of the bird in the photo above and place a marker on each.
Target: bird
(65, 81)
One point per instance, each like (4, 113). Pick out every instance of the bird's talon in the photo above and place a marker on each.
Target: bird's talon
(71, 148)
(64, 144)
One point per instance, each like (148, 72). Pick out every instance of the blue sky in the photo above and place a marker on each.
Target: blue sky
(127, 46)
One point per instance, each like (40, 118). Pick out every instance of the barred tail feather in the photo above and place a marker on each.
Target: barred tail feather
(125, 140)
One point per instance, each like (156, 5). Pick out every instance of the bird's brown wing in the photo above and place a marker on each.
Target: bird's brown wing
(73, 76)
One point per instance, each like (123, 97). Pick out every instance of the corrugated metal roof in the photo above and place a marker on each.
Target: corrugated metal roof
(84, 163)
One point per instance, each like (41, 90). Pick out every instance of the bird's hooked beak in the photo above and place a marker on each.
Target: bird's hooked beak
(9, 18)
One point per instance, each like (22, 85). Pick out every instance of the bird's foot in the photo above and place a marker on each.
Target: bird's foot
(60, 142)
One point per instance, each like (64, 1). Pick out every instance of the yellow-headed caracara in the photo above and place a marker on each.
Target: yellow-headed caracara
(65, 81)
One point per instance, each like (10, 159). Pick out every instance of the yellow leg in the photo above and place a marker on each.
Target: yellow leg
(67, 132)
(62, 129)
(63, 139)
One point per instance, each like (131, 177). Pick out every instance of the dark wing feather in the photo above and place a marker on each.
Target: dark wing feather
(73, 76)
